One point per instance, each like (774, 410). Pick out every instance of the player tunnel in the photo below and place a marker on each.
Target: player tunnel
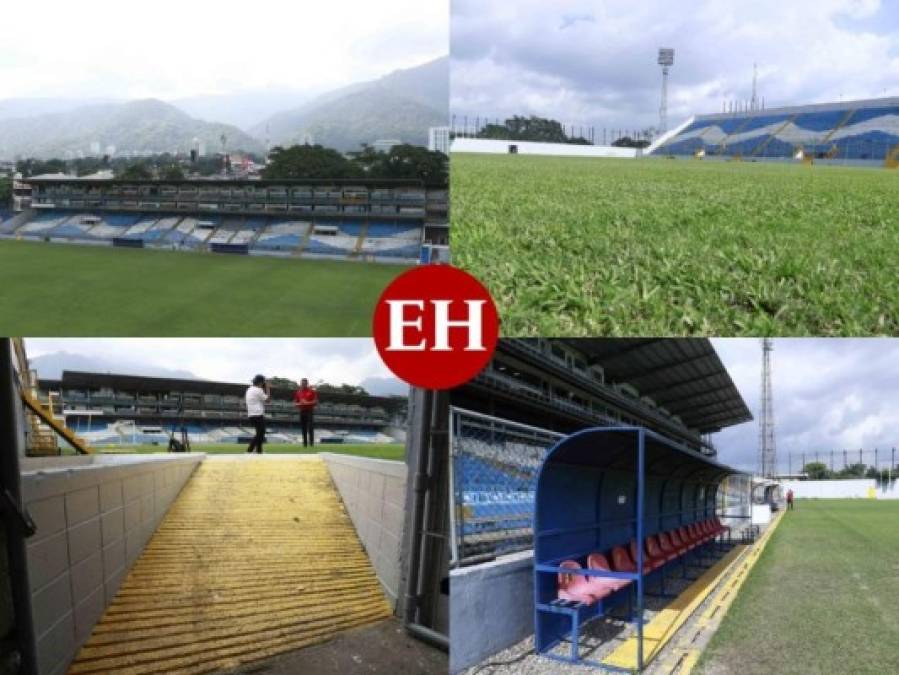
(600, 491)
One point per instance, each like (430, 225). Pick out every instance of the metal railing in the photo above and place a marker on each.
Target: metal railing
(493, 473)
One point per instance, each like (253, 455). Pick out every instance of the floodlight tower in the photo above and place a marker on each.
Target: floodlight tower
(754, 104)
(767, 449)
(666, 60)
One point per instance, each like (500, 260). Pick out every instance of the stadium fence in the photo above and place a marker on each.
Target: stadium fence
(494, 476)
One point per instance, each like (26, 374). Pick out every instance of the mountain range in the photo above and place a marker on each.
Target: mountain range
(401, 105)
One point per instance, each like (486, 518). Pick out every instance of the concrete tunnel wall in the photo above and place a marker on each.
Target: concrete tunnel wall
(374, 492)
(94, 516)
(492, 608)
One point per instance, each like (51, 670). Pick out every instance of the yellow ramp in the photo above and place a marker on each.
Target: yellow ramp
(666, 623)
(256, 557)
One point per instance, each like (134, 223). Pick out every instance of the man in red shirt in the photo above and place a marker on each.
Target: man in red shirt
(790, 500)
(305, 399)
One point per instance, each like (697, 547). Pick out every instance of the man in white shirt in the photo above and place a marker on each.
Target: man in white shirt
(257, 396)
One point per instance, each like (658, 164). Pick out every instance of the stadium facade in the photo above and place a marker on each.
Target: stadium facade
(677, 388)
(864, 131)
(110, 409)
(536, 391)
(383, 221)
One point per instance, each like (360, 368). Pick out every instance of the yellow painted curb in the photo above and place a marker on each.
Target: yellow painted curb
(663, 626)
(685, 657)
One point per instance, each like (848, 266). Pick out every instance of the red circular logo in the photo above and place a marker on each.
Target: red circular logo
(435, 326)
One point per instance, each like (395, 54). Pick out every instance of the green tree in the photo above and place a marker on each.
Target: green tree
(816, 471)
(5, 191)
(628, 142)
(856, 470)
(35, 167)
(340, 389)
(309, 161)
(412, 162)
(88, 165)
(136, 171)
(172, 172)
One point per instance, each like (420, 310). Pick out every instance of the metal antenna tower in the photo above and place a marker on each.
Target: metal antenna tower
(666, 60)
(755, 87)
(767, 450)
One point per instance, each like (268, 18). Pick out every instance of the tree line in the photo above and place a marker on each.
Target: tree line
(533, 128)
(400, 162)
(820, 471)
(295, 162)
(165, 166)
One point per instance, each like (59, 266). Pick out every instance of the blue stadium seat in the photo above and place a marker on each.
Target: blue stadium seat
(868, 133)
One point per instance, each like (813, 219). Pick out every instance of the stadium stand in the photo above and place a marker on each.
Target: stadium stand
(43, 224)
(854, 131)
(386, 221)
(111, 409)
(281, 235)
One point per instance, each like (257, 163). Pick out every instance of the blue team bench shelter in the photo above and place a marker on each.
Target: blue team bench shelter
(599, 492)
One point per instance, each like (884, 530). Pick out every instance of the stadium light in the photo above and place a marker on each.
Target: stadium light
(666, 60)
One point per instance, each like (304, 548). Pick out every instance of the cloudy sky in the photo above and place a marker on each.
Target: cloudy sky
(170, 49)
(829, 394)
(337, 361)
(594, 61)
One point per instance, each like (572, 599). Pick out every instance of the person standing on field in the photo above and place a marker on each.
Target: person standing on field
(305, 399)
(790, 500)
(256, 397)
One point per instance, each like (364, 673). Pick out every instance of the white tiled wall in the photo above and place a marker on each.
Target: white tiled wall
(93, 520)
(374, 492)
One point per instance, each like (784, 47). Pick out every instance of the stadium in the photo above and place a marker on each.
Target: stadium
(379, 221)
(853, 132)
(108, 410)
(122, 557)
(747, 221)
(567, 452)
(177, 257)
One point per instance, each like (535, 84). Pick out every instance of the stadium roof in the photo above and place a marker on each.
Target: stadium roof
(684, 375)
(72, 379)
(888, 102)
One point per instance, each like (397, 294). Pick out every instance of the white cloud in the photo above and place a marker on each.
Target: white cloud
(829, 395)
(337, 361)
(170, 49)
(530, 57)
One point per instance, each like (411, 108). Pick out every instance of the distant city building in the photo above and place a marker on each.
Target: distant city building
(385, 145)
(200, 147)
(439, 139)
(95, 148)
(21, 194)
(110, 150)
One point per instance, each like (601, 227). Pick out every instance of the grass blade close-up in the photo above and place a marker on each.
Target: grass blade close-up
(575, 246)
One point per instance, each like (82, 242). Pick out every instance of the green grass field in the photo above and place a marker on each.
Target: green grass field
(657, 247)
(395, 451)
(60, 289)
(822, 597)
